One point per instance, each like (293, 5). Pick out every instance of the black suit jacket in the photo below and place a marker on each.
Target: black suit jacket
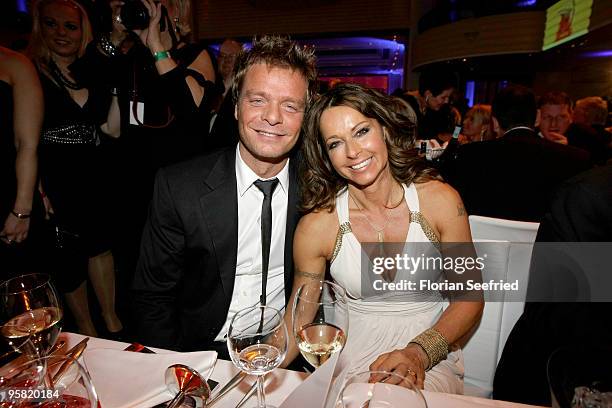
(185, 275)
(580, 212)
(512, 177)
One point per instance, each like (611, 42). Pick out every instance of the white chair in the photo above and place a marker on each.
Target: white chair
(481, 352)
(521, 236)
(509, 260)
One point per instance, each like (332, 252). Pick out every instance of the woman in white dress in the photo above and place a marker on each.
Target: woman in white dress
(361, 182)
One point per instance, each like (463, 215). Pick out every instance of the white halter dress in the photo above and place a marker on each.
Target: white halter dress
(381, 326)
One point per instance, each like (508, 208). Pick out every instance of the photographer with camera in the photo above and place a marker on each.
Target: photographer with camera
(167, 81)
(164, 85)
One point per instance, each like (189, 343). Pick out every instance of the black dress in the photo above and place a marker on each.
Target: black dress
(173, 128)
(73, 176)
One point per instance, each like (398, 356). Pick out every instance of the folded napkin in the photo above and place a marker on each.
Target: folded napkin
(128, 379)
(320, 389)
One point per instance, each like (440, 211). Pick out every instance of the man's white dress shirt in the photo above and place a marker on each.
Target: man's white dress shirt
(247, 285)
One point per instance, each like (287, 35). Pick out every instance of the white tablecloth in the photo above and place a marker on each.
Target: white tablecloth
(281, 382)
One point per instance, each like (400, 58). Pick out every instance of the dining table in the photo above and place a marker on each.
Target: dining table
(278, 384)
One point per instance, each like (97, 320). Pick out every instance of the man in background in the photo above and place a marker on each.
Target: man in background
(223, 126)
(592, 112)
(514, 176)
(557, 125)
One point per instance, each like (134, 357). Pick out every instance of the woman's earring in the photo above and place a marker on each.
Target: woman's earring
(176, 25)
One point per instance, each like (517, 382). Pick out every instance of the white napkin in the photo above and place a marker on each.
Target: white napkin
(320, 389)
(128, 379)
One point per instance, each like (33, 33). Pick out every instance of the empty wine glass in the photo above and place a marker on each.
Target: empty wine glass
(359, 392)
(320, 320)
(257, 343)
(29, 308)
(47, 382)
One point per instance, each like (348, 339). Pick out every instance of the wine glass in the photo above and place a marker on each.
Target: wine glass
(320, 320)
(47, 382)
(358, 392)
(257, 343)
(29, 308)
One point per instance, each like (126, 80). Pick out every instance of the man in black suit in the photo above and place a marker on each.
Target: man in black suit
(203, 257)
(580, 212)
(512, 177)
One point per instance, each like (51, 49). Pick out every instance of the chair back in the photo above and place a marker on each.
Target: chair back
(481, 352)
(509, 259)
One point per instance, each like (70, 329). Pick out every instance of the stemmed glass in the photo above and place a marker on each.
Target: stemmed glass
(257, 343)
(47, 382)
(320, 320)
(393, 391)
(29, 308)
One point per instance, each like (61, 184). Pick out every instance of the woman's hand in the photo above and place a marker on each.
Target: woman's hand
(119, 31)
(151, 36)
(15, 229)
(409, 362)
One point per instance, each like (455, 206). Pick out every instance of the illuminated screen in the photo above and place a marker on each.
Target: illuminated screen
(566, 20)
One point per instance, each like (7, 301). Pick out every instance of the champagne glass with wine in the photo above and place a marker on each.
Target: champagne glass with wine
(30, 309)
(257, 343)
(320, 320)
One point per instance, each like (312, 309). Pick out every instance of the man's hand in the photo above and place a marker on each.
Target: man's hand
(555, 137)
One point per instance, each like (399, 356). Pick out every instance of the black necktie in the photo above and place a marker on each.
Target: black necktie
(267, 188)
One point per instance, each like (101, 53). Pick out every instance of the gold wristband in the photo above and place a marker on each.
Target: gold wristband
(434, 344)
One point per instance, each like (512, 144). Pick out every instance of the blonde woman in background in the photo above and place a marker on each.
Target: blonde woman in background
(477, 125)
(73, 180)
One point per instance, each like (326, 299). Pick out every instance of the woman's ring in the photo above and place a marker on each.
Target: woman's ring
(412, 373)
(10, 241)
(118, 19)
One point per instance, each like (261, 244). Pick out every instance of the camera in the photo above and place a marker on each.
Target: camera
(134, 15)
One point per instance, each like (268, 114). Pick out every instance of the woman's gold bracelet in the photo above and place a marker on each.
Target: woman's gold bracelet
(434, 344)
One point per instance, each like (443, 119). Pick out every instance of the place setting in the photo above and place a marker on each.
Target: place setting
(50, 369)
(38, 372)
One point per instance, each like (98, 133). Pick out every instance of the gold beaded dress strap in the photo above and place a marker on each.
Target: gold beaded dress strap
(344, 228)
(417, 217)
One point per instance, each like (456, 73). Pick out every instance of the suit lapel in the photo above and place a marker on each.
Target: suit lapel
(220, 212)
(292, 220)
